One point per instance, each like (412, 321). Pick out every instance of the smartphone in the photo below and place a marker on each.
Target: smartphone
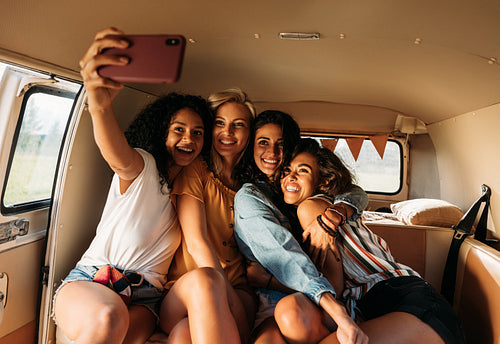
(153, 59)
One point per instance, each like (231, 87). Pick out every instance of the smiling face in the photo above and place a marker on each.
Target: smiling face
(268, 148)
(300, 178)
(231, 129)
(184, 139)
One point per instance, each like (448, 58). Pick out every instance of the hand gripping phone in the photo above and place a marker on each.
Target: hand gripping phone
(153, 59)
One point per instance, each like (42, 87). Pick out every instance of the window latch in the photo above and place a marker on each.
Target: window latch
(12, 229)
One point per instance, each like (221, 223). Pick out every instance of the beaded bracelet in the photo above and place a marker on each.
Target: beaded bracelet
(328, 221)
(343, 218)
(333, 232)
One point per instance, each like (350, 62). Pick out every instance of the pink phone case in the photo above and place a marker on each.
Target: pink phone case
(153, 59)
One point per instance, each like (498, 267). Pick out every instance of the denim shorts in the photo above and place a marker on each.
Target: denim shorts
(144, 295)
(268, 299)
(413, 295)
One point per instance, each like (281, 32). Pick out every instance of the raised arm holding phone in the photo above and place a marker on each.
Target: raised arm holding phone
(113, 294)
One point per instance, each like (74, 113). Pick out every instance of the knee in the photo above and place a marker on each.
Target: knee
(113, 317)
(288, 313)
(297, 318)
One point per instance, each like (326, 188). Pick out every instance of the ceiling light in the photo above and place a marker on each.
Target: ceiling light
(299, 35)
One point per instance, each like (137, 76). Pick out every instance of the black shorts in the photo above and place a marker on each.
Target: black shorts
(411, 294)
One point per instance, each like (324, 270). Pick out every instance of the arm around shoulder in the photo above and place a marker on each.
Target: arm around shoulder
(355, 200)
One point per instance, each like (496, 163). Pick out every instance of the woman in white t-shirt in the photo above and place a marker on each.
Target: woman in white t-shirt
(113, 293)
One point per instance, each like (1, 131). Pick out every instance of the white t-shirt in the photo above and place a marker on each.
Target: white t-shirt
(139, 230)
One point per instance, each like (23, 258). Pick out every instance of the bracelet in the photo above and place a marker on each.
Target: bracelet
(328, 221)
(269, 282)
(333, 232)
(343, 218)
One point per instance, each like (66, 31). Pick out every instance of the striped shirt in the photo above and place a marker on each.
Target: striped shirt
(366, 258)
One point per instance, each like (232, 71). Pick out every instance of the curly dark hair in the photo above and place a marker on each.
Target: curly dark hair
(334, 177)
(150, 127)
(291, 135)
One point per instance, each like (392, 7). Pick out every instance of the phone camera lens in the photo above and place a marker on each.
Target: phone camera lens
(172, 41)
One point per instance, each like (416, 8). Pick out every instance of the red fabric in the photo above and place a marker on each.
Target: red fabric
(114, 279)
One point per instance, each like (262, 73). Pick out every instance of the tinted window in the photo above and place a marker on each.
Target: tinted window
(37, 143)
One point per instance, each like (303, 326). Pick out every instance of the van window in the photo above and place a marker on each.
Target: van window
(36, 145)
(371, 172)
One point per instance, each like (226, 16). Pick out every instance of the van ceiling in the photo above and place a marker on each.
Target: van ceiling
(429, 59)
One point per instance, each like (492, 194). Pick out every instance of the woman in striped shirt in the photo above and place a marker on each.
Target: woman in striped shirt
(392, 302)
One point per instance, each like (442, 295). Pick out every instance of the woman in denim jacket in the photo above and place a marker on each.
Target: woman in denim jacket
(269, 234)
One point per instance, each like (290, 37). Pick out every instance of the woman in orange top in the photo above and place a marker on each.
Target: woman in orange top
(204, 198)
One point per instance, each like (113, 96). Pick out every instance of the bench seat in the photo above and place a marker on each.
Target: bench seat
(425, 248)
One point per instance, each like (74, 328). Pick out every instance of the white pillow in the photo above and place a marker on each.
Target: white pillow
(427, 212)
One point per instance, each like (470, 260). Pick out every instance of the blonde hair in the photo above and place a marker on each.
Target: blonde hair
(216, 100)
(235, 95)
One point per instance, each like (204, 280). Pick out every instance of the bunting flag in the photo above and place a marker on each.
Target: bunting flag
(355, 144)
(330, 143)
(380, 141)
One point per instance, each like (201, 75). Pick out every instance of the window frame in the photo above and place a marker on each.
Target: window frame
(401, 172)
(47, 202)
(402, 155)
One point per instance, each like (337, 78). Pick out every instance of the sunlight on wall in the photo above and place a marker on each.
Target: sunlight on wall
(467, 150)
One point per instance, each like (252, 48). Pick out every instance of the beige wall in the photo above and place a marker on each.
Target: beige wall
(467, 149)
(424, 175)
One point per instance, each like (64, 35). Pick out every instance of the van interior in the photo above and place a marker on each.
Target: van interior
(405, 92)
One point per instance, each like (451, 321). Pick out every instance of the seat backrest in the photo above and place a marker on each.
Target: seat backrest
(407, 245)
(477, 292)
(423, 248)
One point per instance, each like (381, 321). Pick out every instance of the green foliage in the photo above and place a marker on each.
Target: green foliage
(31, 178)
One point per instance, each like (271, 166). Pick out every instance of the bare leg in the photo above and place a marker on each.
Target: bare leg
(243, 308)
(142, 325)
(268, 333)
(180, 333)
(89, 312)
(394, 328)
(197, 295)
(300, 320)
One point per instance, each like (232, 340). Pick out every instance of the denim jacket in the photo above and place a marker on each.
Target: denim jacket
(264, 235)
